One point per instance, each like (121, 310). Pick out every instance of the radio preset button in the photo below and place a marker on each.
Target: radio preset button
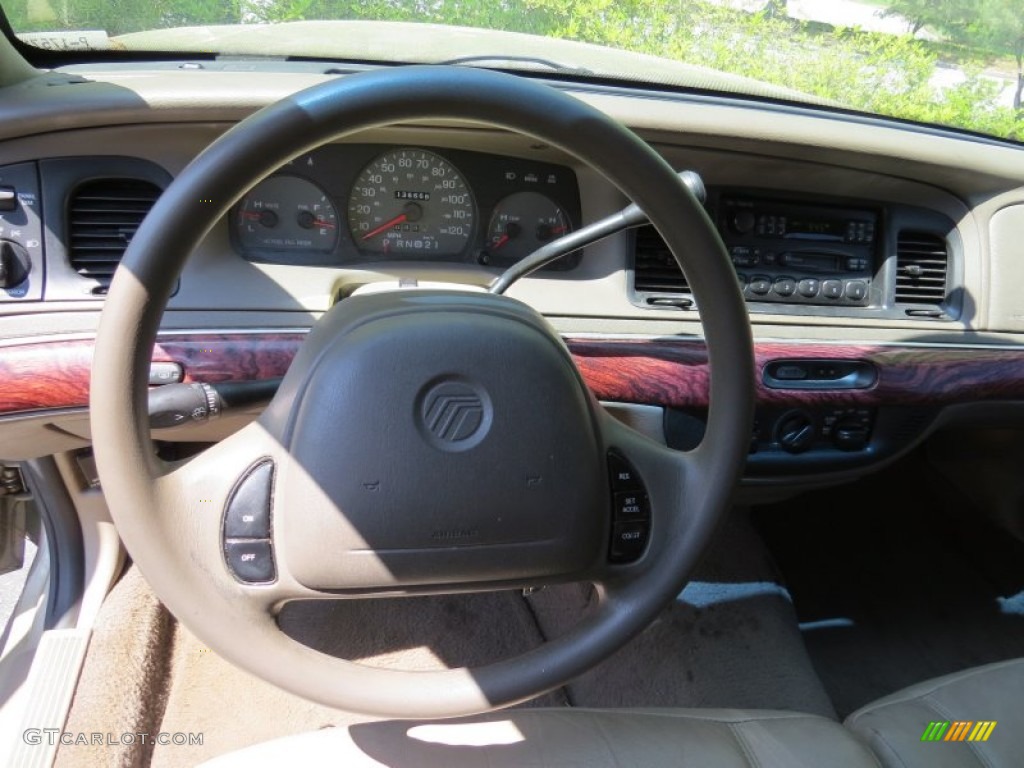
(785, 286)
(808, 287)
(832, 289)
(760, 285)
(856, 290)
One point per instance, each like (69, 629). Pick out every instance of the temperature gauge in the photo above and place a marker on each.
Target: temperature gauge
(522, 223)
(286, 213)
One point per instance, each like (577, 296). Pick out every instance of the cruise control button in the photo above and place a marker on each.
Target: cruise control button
(832, 289)
(250, 561)
(247, 513)
(808, 287)
(856, 290)
(623, 476)
(628, 541)
(631, 506)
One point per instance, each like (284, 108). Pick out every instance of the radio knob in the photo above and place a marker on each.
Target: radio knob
(743, 222)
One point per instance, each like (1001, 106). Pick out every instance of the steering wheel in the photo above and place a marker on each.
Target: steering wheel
(421, 441)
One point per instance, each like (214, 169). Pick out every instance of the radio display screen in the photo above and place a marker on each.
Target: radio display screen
(817, 227)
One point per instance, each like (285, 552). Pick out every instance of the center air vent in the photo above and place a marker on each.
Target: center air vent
(655, 268)
(922, 263)
(103, 217)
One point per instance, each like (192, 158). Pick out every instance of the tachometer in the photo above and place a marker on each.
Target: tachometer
(411, 202)
(286, 213)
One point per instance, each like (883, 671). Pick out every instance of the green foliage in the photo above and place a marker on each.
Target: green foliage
(878, 73)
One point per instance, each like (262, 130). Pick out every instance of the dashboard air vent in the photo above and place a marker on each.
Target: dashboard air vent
(103, 217)
(655, 268)
(922, 261)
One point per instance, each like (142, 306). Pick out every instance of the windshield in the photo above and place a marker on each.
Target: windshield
(957, 63)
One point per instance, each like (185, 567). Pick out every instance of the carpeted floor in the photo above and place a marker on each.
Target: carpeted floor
(895, 582)
(730, 640)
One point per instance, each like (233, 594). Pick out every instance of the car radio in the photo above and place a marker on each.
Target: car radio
(797, 253)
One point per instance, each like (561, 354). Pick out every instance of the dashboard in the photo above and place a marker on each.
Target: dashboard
(879, 262)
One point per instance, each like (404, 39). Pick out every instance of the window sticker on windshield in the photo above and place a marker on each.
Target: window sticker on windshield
(78, 40)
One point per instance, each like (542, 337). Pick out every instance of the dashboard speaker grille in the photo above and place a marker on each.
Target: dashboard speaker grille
(922, 263)
(655, 268)
(103, 216)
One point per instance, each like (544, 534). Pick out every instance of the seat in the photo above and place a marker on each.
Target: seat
(574, 738)
(895, 726)
(889, 733)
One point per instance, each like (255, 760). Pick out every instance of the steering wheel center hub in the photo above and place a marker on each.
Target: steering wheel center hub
(436, 438)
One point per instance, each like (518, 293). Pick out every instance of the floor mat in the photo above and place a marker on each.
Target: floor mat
(730, 640)
(895, 582)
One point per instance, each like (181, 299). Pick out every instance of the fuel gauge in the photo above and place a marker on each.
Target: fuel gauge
(522, 223)
(286, 213)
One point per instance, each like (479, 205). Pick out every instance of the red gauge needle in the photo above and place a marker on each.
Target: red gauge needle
(557, 230)
(322, 223)
(251, 215)
(501, 241)
(386, 226)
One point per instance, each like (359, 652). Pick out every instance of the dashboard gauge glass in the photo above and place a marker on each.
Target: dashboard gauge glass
(522, 223)
(286, 213)
(411, 202)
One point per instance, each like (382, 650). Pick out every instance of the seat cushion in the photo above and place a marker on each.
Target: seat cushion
(570, 738)
(895, 726)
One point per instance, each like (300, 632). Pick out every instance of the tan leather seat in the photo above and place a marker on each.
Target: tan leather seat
(575, 738)
(894, 726)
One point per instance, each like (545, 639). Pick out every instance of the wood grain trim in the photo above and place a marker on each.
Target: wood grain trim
(675, 373)
(52, 375)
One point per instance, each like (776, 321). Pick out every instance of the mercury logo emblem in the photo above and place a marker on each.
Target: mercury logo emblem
(454, 414)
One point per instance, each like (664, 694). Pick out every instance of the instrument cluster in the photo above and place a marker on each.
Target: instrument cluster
(358, 203)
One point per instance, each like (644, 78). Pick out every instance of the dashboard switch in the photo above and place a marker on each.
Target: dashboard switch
(14, 264)
(8, 199)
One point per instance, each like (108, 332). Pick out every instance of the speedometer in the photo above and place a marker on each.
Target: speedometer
(411, 202)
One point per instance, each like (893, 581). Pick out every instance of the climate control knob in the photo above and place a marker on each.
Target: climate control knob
(795, 431)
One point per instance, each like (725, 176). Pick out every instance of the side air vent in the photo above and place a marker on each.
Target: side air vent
(103, 216)
(922, 263)
(655, 268)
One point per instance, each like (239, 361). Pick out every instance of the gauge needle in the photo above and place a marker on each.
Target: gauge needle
(501, 241)
(322, 223)
(386, 226)
(251, 215)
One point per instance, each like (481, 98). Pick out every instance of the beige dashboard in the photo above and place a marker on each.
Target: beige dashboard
(166, 117)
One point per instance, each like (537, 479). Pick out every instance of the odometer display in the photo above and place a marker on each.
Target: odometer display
(411, 202)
